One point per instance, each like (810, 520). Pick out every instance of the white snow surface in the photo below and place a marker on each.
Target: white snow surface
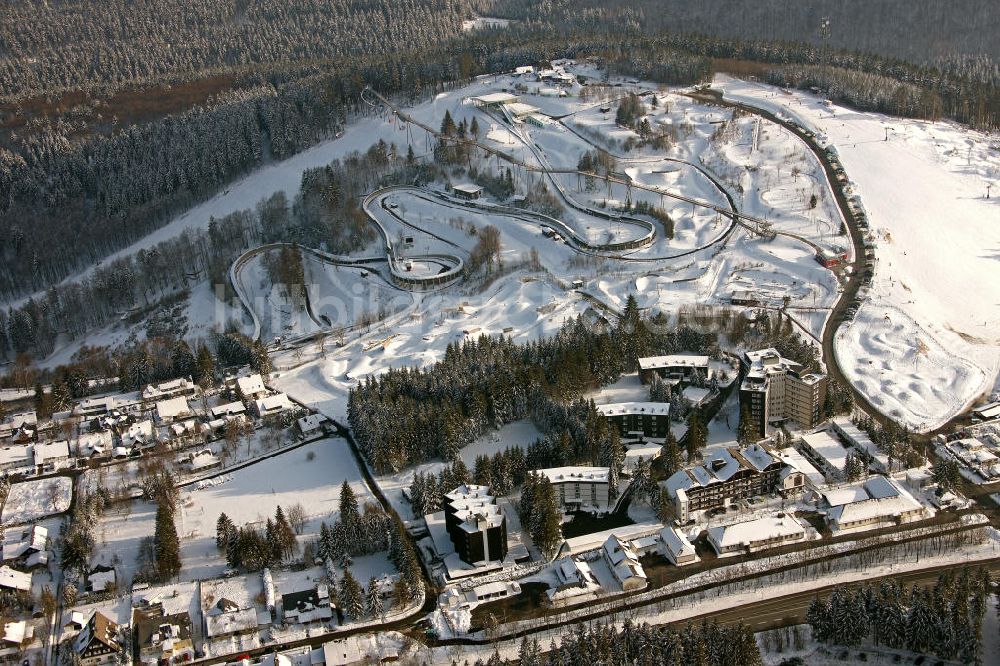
(31, 500)
(926, 344)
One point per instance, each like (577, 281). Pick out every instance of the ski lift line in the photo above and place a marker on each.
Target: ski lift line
(753, 224)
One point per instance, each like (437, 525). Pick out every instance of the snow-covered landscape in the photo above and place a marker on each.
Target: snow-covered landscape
(494, 354)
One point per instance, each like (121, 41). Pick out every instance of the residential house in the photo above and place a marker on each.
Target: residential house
(573, 576)
(227, 618)
(102, 578)
(676, 547)
(307, 606)
(172, 409)
(623, 561)
(251, 386)
(21, 543)
(98, 642)
(163, 638)
(272, 405)
(182, 387)
(312, 424)
(12, 579)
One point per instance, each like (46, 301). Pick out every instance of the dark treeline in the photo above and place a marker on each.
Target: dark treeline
(945, 619)
(644, 645)
(409, 415)
(958, 33)
(49, 46)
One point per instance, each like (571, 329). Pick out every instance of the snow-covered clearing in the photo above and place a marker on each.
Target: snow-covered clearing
(310, 475)
(31, 500)
(938, 242)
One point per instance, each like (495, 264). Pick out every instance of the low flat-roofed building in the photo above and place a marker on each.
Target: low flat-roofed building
(754, 535)
(860, 440)
(875, 503)
(826, 452)
(638, 419)
(675, 368)
(467, 191)
(494, 100)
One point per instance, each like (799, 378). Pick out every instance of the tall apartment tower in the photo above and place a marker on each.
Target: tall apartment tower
(775, 389)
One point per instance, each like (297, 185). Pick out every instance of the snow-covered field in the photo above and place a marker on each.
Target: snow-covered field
(310, 475)
(31, 500)
(926, 345)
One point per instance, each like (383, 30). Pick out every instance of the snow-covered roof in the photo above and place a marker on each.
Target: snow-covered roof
(273, 404)
(860, 439)
(203, 460)
(520, 109)
(827, 447)
(58, 450)
(15, 632)
(628, 408)
(467, 188)
(14, 579)
(228, 409)
(622, 559)
(343, 652)
(138, 432)
(576, 474)
(676, 543)
(225, 624)
(251, 385)
(748, 533)
(16, 455)
(674, 361)
(988, 411)
(171, 408)
(311, 422)
(796, 460)
(175, 386)
(99, 579)
(16, 543)
(878, 498)
(758, 457)
(695, 394)
(496, 98)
